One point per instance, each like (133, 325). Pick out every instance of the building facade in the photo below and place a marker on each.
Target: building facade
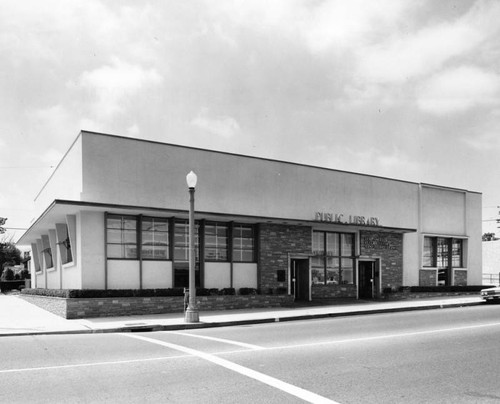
(113, 215)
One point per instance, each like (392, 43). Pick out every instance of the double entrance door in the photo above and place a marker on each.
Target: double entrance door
(368, 279)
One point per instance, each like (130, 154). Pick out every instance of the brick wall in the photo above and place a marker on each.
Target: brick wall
(333, 291)
(427, 277)
(389, 247)
(460, 278)
(275, 243)
(130, 306)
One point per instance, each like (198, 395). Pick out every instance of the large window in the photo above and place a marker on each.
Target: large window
(243, 243)
(181, 254)
(121, 236)
(444, 254)
(216, 238)
(333, 261)
(155, 238)
(181, 241)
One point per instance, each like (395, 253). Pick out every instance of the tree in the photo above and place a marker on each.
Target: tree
(2, 223)
(489, 237)
(9, 254)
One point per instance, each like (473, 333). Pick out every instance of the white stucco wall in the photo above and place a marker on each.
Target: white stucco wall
(129, 172)
(244, 276)
(443, 211)
(411, 259)
(72, 277)
(40, 280)
(156, 274)
(123, 274)
(91, 249)
(217, 275)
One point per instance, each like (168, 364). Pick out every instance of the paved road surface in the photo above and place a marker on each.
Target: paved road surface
(439, 356)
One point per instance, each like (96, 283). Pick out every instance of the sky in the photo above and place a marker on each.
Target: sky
(405, 89)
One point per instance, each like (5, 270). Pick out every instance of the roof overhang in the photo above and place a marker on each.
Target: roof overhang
(59, 209)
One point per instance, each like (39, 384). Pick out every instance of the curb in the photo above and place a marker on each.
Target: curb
(194, 326)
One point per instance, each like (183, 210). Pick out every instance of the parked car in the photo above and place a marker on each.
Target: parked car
(491, 293)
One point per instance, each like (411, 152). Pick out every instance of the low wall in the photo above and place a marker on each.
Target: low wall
(130, 306)
(333, 291)
(425, 295)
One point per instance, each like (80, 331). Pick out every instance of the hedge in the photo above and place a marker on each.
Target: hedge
(99, 293)
(446, 289)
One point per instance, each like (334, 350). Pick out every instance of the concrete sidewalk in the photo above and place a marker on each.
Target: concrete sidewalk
(18, 317)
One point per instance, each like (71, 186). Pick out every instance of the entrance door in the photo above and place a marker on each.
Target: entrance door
(300, 278)
(366, 279)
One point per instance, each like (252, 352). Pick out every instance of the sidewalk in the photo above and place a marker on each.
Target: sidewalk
(18, 317)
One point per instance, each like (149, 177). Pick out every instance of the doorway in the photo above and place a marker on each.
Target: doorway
(301, 285)
(368, 279)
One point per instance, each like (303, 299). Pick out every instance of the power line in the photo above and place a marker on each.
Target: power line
(9, 167)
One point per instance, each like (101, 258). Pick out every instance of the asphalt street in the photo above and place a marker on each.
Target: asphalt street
(438, 356)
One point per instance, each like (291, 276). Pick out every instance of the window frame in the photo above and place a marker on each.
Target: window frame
(237, 257)
(108, 243)
(218, 238)
(449, 242)
(334, 255)
(164, 220)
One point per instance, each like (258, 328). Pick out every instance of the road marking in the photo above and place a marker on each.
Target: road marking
(270, 381)
(407, 334)
(80, 365)
(42, 368)
(226, 341)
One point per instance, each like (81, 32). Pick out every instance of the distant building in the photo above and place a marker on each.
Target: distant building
(491, 262)
(114, 216)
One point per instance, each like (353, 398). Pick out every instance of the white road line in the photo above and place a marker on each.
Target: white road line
(270, 381)
(226, 341)
(81, 365)
(400, 335)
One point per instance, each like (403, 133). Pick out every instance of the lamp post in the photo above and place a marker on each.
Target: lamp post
(192, 315)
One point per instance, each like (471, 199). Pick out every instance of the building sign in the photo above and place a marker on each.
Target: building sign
(376, 241)
(347, 219)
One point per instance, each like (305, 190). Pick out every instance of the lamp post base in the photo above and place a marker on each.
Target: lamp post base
(192, 315)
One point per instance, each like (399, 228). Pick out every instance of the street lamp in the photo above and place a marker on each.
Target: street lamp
(192, 315)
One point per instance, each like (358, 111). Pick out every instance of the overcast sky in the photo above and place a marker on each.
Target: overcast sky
(401, 89)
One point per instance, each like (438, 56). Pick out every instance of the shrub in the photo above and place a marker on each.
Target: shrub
(25, 274)
(8, 274)
(437, 289)
(202, 292)
(110, 293)
(228, 291)
(248, 291)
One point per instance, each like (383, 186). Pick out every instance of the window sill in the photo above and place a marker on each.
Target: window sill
(69, 265)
